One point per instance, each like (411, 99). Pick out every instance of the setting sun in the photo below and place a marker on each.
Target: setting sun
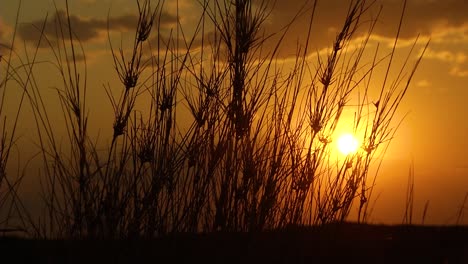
(347, 144)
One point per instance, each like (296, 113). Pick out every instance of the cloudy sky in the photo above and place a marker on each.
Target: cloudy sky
(433, 134)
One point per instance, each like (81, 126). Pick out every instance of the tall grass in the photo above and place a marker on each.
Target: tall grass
(13, 216)
(256, 152)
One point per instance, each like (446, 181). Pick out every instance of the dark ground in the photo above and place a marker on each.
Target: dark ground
(346, 243)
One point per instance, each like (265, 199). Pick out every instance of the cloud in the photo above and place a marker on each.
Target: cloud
(423, 83)
(422, 17)
(457, 71)
(85, 29)
(443, 20)
(445, 55)
(457, 60)
(451, 35)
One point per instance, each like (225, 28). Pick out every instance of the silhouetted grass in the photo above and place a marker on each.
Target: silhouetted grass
(255, 153)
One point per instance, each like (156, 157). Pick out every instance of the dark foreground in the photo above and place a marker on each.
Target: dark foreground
(346, 243)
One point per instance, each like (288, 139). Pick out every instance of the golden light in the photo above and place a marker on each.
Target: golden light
(347, 144)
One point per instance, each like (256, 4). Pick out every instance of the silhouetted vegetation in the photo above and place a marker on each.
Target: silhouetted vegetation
(230, 140)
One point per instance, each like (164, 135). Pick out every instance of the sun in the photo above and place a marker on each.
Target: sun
(347, 144)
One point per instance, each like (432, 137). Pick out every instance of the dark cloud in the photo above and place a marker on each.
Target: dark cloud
(84, 29)
(423, 17)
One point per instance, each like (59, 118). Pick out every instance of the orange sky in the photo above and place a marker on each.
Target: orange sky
(433, 135)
